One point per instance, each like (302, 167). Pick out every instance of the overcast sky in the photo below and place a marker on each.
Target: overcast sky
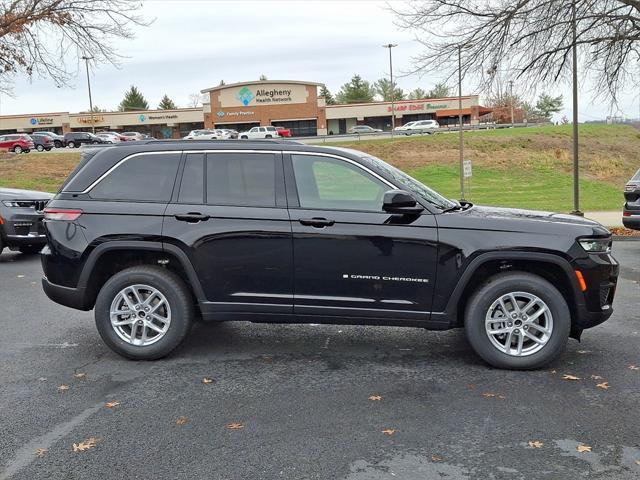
(192, 45)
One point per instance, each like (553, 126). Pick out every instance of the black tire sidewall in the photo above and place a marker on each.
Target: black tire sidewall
(176, 293)
(511, 282)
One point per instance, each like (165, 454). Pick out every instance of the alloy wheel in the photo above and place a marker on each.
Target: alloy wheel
(519, 324)
(140, 315)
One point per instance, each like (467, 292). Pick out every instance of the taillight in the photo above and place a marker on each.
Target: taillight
(65, 214)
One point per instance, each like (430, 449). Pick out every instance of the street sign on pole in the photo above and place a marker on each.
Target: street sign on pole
(466, 169)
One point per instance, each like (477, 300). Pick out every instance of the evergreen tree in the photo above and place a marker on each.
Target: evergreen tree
(326, 94)
(133, 100)
(222, 82)
(356, 91)
(384, 89)
(166, 103)
(263, 77)
(440, 90)
(417, 94)
(548, 105)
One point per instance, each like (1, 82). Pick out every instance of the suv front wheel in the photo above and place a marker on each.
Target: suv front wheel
(518, 321)
(144, 313)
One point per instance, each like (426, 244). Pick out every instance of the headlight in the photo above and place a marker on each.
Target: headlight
(11, 203)
(596, 245)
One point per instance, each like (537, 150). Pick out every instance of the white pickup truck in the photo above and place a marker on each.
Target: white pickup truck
(260, 132)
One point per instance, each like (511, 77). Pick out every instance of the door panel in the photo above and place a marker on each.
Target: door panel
(242, 254)
(361, 261)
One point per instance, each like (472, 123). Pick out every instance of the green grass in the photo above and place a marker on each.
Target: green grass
(537, 190)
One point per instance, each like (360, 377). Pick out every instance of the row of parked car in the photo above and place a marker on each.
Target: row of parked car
(228, 134)
(45, 141)
(410, 128)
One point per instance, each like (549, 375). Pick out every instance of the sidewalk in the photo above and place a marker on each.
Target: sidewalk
(608, 219)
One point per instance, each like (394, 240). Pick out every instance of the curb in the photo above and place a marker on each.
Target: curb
(624, 238)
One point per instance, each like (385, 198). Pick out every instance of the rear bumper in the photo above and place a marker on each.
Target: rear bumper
(25, 240)
(632, 220)
(67, 296)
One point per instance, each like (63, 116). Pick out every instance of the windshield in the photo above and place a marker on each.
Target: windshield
(410, 183)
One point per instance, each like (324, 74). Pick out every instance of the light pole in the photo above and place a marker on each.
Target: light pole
(393, 106)
(460, 121)
(511, 99)
(86, 63)
(576, 171)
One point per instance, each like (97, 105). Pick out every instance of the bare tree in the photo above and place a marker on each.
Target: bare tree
(196, 100)
(530, 38)
(41, 37)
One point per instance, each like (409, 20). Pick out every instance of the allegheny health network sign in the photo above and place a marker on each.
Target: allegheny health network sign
(263, 95)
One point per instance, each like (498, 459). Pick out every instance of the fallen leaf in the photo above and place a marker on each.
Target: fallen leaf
(583, 448)
(63, 388)
(554, 371)
(488, 394)
(603, 385)
(535, 444)
(235, 426)
(389, 431)
(85, 444)
(20, 276)
(41, 452)
(570, 377)
(596, 377)
(181, 420)
(637, 462)
(436, 458)
(80, 375)
(375, 398)
(634, 367)
(207, 380)
(42, 379)
(582, 352)
(471, 386)
(111, 404)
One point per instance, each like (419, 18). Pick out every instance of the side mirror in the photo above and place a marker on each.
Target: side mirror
(399, 201)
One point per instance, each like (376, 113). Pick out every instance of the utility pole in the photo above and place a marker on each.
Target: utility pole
(460, 122)
(576, 166)
(393, 107)
(86, 63)
(511, 99)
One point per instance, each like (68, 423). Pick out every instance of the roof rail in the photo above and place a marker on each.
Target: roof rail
(201, 142)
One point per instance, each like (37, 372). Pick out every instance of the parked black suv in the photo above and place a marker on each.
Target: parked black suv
(631, 211)
(21, 214)
(76, 139)
(154, 234)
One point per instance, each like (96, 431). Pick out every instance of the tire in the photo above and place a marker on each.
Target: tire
(525, 286)
(17, 149)
(268, 136)
(1, 245)
(57, 143)
(48, 149)
(40, 148)
(94, 143)
(71, 144)
(244, 137)
(176, 295)
(30, 249)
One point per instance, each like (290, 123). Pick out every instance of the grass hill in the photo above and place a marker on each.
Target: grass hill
(521, 167)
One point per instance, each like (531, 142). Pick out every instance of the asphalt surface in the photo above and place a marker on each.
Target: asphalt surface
(301, 394)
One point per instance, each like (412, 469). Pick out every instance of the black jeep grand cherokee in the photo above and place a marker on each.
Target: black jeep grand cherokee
(151, 235)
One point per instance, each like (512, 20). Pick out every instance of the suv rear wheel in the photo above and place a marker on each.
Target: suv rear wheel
(71, 144)
(17, 149)
(518, 321)
(144, 313)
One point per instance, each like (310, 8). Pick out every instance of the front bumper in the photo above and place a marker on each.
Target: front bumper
(25, 240)
(23, 227)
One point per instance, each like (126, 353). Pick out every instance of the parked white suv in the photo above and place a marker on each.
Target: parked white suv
(421, 126)
(260, 132)
(215, 134)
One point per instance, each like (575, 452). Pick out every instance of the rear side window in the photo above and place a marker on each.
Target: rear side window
(192, 184)
(144, 178)
(247, 179)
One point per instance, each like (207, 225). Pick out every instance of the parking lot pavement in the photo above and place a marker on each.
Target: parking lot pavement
(310, 402)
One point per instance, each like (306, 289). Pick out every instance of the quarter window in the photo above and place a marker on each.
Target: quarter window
(247, 179)
(192, 184)
(144, 178)
(329, 183)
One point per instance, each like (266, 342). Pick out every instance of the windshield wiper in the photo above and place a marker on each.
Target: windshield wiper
(458, 205)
